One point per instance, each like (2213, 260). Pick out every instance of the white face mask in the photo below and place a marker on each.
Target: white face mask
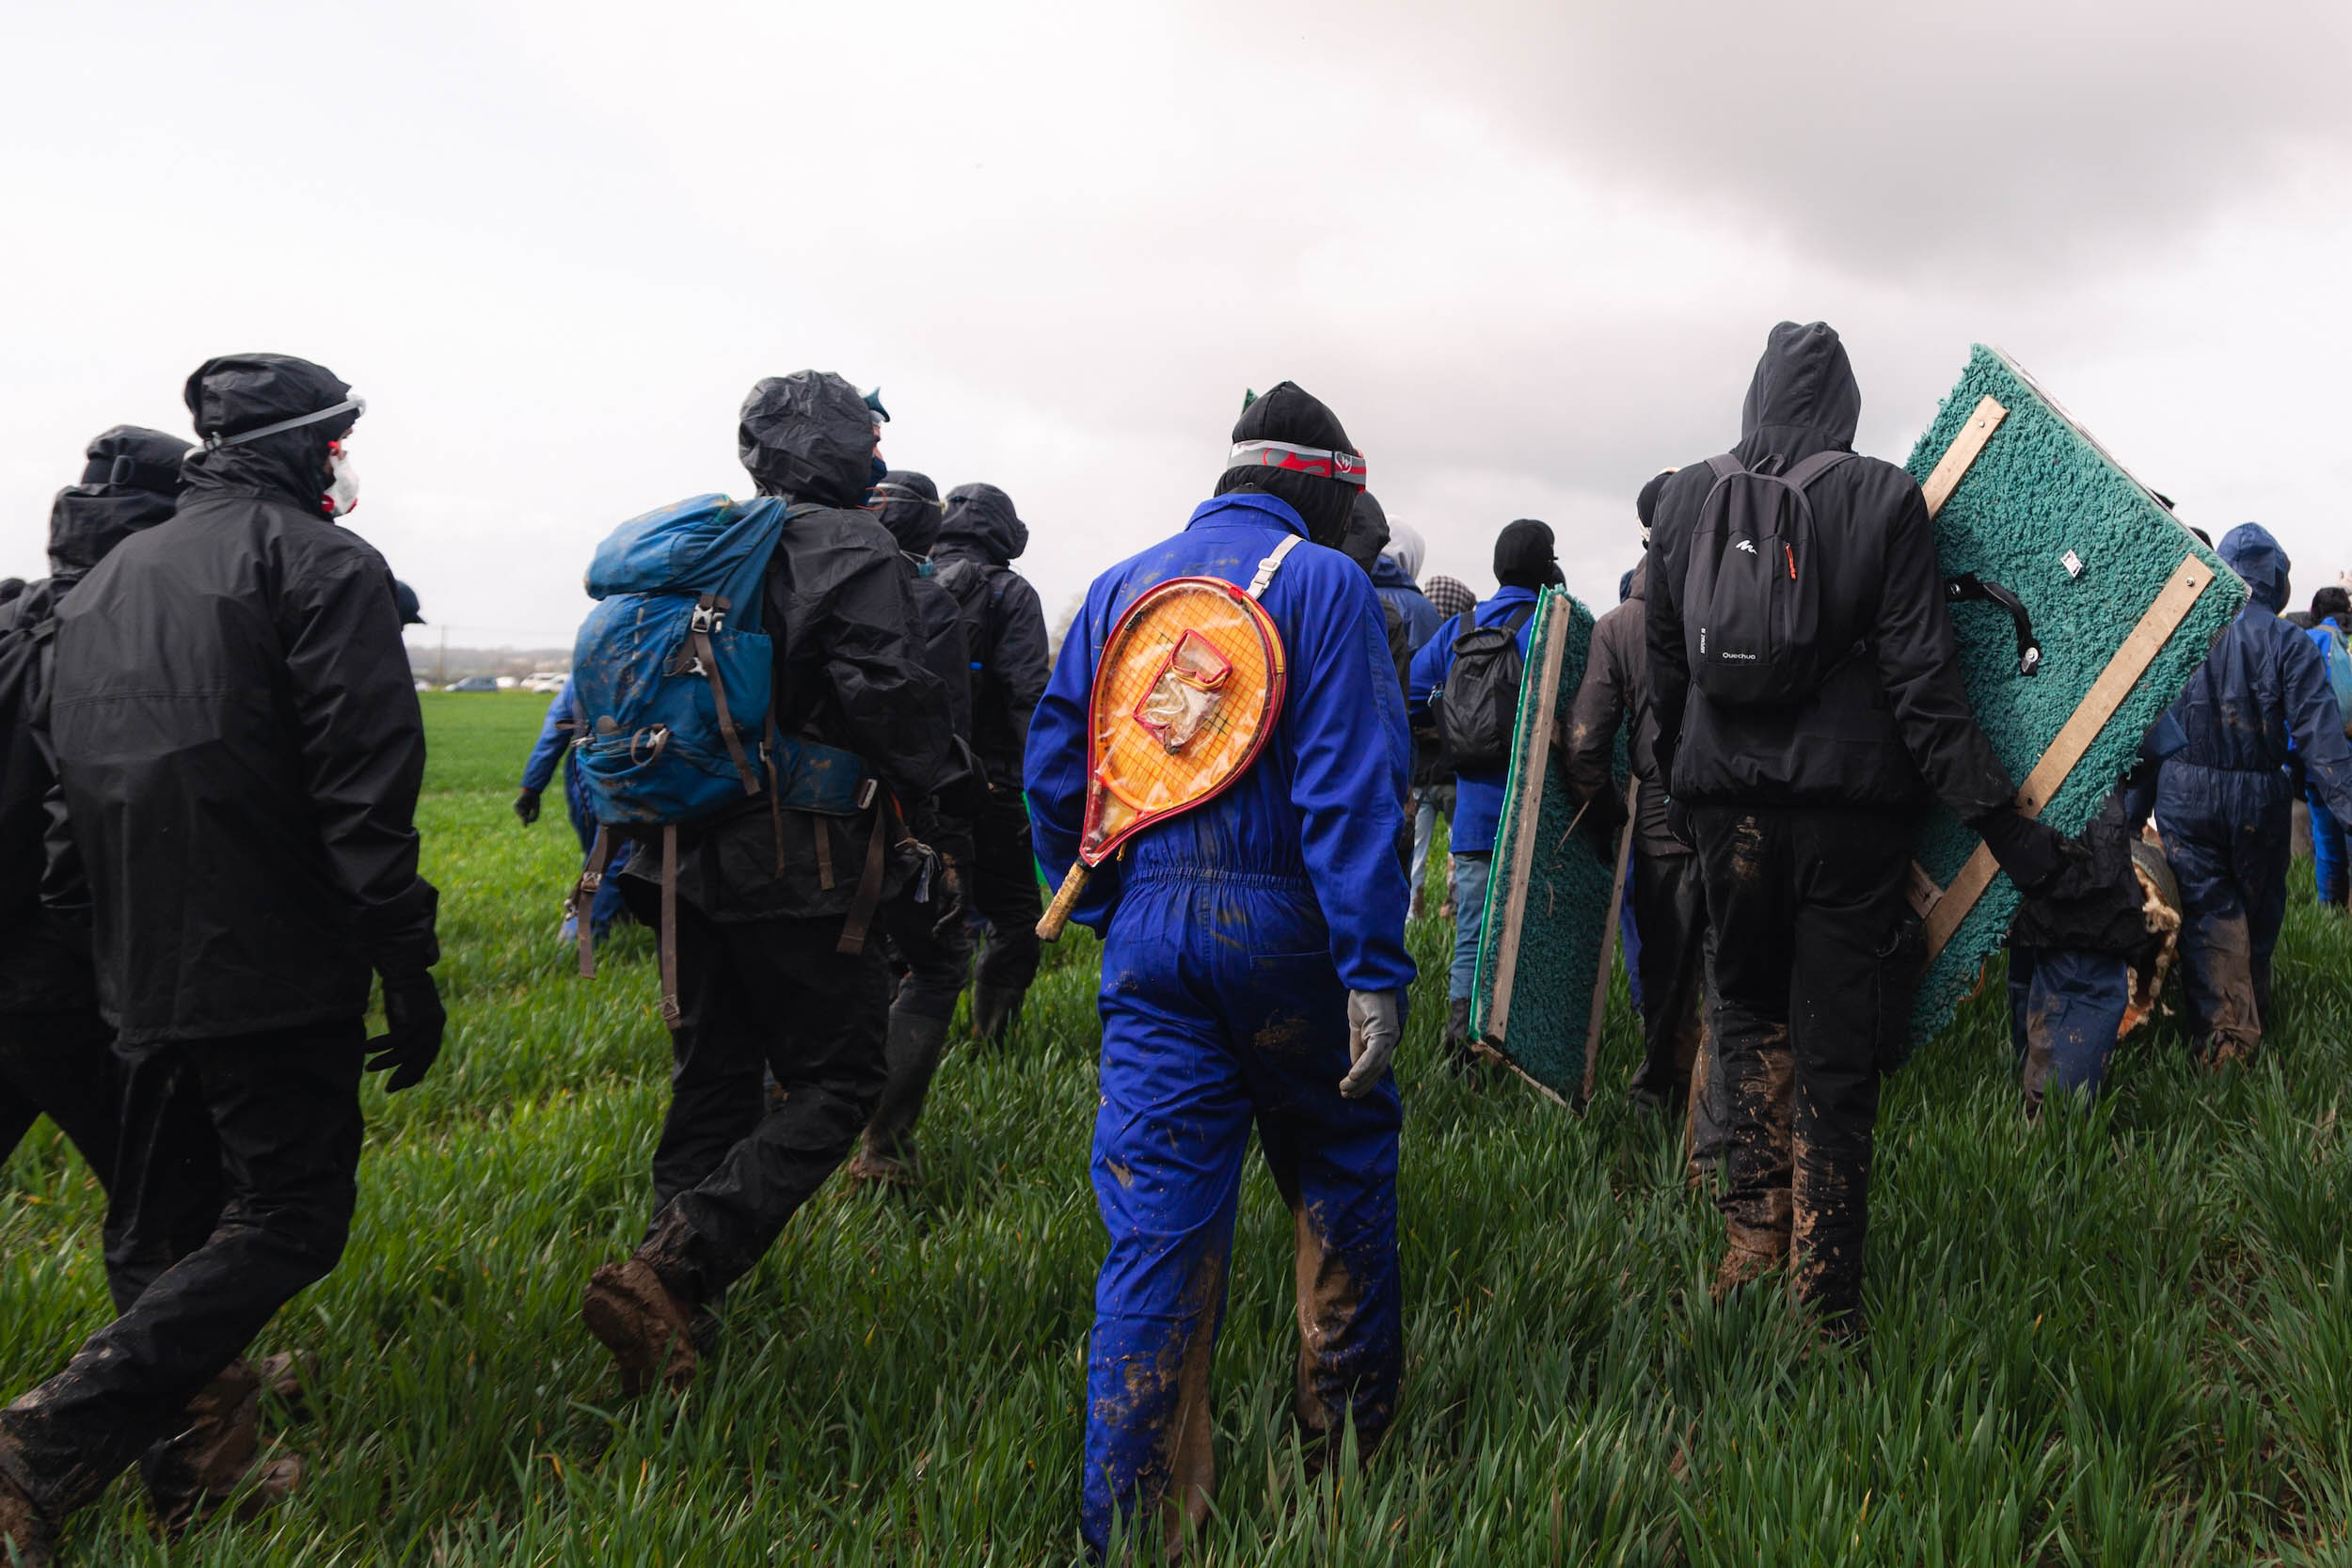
(342, 483)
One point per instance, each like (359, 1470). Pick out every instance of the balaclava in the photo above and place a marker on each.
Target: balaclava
(1523, 555)
(1367, 532)
(1288, 445)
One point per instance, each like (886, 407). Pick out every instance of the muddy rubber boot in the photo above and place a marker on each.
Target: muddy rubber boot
(994, 1010)
(649, 1331)
(912, 1049)
(287, 1377)
(24, 1531)
(194, 1474)
(1751, 1254)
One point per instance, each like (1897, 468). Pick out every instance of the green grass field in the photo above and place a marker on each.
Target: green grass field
(2120, 1335)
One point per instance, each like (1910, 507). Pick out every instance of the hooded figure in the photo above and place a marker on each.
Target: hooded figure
(1524, 566)
(2224, 799)
(54, 1055)
(239, 749)
(768, 927)
(1366, 537)
(1253, 971)
(1803, 816)
(1005, 624)
(935, 952)
(1396, 573)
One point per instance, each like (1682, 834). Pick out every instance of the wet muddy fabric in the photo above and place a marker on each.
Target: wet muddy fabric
(1812, 987)
(234, 1191)
(1670, 901)
(1003, 887)
(1221, 1009)
(2233, 900)
(2065, 1010)
(730, 1170)
(61, 1065)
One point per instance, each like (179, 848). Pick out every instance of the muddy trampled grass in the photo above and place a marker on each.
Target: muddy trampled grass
(2124, 1335)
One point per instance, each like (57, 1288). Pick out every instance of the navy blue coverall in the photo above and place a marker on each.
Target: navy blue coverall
(2223, 801)
(1232, 936)
(555, 745)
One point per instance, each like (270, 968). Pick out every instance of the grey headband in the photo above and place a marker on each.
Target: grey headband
(353, 406)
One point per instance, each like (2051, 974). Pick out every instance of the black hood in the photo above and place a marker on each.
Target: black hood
(1367, 532)
(131, 481)
(1289, 413)
(238, 392)
(1803, 398)
(809, 436)
(980, 521)
(1524, 556)
(908, 504)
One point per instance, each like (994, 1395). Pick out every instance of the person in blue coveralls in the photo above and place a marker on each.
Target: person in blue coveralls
(2223, 801)
(555, 744)
(1253, 970)
(1524, 566)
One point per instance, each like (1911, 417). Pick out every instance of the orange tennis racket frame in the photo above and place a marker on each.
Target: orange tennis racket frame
(1185, 667)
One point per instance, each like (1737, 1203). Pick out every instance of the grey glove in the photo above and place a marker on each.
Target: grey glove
(1375, 1019)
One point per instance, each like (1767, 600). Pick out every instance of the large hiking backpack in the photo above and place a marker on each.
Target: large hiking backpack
(670, 681)
(2338, 660)
(1478, 707)
(1752, 594)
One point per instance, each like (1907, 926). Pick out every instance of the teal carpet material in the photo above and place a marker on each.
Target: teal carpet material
(2041, 488)
(1565, 895)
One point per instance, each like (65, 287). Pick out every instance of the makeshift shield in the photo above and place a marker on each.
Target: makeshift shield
(1188, 685)
(2121, 602)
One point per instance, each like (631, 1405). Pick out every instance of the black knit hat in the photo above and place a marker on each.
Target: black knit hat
(1523, 555)
(1288, 413)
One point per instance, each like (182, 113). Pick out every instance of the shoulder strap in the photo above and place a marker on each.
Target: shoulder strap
(1725, 466)
(1814, 467)
(1518, 615)
(1272, 563)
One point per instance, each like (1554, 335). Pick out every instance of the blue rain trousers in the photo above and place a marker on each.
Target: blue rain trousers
(2065, 1010)
(1232, 936)
(2331, 870)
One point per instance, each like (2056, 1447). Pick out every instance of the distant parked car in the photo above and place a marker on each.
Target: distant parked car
(473, 683)
(545, 681)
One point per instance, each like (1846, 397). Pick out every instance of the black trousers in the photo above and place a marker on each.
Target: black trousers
(1812, 972)
(1669, 910)
(729, 1171)
(61, 1065)
(1004, 890)
(234, 1190)
(935, 962)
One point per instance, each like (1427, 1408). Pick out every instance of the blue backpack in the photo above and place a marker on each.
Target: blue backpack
(671, 682)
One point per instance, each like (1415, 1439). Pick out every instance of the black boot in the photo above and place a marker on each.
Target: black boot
(994, 1010)
(887, 1152)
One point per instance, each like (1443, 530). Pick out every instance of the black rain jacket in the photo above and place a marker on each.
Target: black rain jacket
(1615, 691)
(908, 504)
(849, 668)
(1892, 721)
(238, 740)
(131, 483)
(980, 539)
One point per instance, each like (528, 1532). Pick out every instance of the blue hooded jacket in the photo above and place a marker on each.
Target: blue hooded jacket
(1396, 585)
(2263, 687)
(1321, 807)
(1477, 796)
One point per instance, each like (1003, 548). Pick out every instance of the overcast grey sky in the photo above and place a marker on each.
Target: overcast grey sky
(1527, 252)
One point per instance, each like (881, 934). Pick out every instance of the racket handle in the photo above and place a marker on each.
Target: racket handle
(1058, 912)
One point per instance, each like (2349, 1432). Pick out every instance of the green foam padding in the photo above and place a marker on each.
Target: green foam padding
(1565, 916)
(2040, 488)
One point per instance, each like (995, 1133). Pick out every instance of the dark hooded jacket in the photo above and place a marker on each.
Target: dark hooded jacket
(1367, 535)
(909, 506)
(1615, 691)
(238, 738)
(980, 539)
(849, 668)
(131, 483)
(2265, 683)
(1892, 721)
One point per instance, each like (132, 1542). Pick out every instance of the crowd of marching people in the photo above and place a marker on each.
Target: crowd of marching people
(816, 742)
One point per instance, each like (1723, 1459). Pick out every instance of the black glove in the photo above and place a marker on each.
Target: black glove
(526, 806)
(1678, 824)
(2030, 850)
(413, 1021)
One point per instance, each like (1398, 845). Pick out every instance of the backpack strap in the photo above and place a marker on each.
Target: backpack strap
(583, 899)
(870, 885)
(670, 1014)
(1272, 563)
(1725, 465)
(1814, 467)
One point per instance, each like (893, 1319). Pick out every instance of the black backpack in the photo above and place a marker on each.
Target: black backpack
(1752, 594)
(1478, 708)
(976, 591)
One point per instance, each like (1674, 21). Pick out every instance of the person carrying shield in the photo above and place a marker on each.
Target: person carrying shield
(1253, 965)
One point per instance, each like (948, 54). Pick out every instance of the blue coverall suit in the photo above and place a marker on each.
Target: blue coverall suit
(1477, 796)
(2223, 801)
(554, 744)
(2330, 869)
(1232, 936)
